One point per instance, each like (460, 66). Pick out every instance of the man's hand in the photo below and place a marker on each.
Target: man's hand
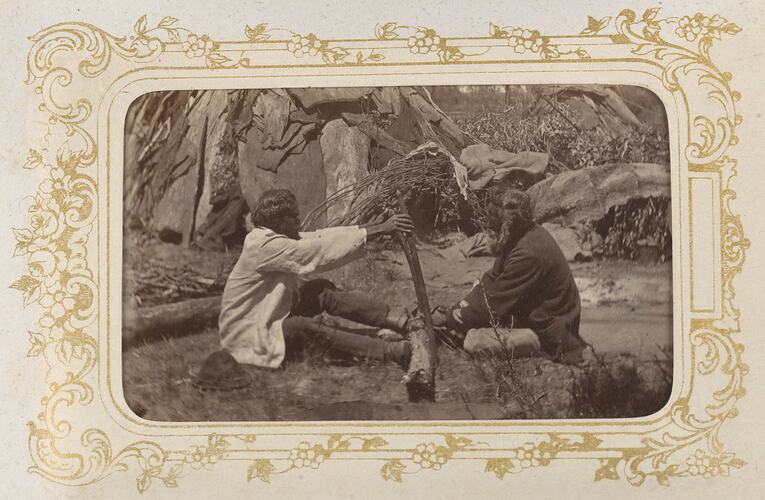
(447, 329)
(401, 222)
(439, 316)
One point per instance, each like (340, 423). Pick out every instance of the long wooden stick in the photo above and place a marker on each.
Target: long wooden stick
(421, 376)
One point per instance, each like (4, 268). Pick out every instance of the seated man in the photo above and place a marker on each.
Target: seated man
(265, 311)
(529, 287)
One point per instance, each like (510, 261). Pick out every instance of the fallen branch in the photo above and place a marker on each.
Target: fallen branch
(168, 320)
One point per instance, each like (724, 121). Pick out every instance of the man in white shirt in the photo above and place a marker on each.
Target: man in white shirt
(264, 309)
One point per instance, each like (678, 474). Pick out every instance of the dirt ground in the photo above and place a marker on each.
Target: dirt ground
(626, 317)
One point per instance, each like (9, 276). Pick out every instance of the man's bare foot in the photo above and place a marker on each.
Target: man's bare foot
(389, 335)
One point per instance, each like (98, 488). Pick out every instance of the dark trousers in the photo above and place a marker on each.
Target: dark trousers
(320, 295)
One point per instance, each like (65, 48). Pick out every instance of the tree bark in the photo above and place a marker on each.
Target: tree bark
(201, 174)
(168, 320)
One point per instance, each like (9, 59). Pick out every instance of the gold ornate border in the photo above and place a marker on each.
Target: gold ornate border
(60, 276)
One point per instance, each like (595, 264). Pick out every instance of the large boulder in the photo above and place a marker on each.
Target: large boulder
(215, 133)
(175, 215)
(345, 151)
(568, 242)
(589, 193)
(301, 171)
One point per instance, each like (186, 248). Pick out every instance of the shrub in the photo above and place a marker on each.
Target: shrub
(557, 134)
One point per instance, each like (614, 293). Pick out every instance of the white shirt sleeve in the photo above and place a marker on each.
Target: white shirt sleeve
(326, 231)
(318, 252)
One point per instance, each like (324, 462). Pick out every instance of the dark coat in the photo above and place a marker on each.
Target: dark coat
(531, 287)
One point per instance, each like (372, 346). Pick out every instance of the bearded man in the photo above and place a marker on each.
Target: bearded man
(266, 311)
(529, 289)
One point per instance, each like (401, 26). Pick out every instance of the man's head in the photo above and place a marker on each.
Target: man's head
(277, 209)
(509, 217)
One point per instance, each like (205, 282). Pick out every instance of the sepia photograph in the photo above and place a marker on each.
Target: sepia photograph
(492, 252)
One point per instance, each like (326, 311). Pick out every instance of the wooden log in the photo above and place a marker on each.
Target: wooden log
(421, 377)
(168, 320)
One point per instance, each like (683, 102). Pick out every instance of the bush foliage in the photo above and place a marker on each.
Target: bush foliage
(556, 133)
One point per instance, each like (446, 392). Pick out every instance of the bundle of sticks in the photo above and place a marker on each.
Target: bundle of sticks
(158, 283)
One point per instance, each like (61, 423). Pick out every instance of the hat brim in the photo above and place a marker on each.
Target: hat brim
(236, 380)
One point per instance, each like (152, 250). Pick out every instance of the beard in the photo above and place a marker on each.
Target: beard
(292, 234)
(513, 228)
(493, 245)
(508, 227)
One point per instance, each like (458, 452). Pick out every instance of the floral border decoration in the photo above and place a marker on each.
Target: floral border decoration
(62, 213)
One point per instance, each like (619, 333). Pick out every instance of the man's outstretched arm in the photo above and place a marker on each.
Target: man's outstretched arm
(333, 249)
(395, 223)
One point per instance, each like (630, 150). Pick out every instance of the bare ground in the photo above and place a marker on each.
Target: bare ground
(626, 317)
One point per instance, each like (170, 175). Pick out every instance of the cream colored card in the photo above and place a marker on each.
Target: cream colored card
(70, 74)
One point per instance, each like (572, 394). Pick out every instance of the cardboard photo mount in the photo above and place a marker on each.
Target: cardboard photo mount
(84, 79)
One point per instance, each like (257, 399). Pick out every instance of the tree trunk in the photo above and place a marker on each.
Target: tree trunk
(201, 174)
(168, 320)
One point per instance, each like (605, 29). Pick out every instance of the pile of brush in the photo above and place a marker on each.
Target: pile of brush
(557, 134)
(640, 225)
(426, 176)
(159, 283)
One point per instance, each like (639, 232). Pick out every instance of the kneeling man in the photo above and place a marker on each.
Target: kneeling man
(530, 287)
